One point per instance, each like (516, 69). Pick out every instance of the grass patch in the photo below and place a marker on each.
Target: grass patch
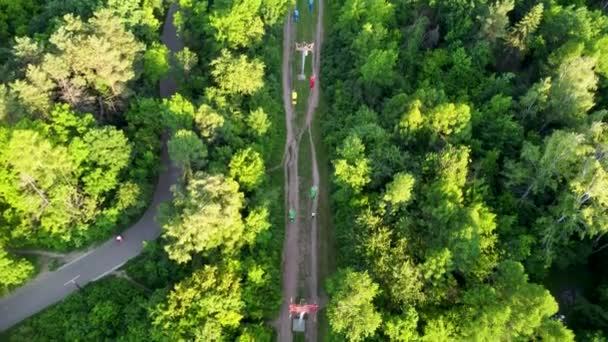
(299, 337)
(304, 32)
(304, 184)
(37, 261)
(326, 241)
(54, 264)
(327, 251)
(307, 21)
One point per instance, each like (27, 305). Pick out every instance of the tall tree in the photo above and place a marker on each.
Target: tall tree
(495, 20)
(351, 311)
(14, 271)
(379, 66)
(520, 34)
(201, 307)
(272, 11)
(237, 23)
(59, 180)
(203, 216)
(14, 17)
(258, 121)
(237, 75)
(539, 169)
(402, 328)
(400, 189)
(138, 16)
(352, 169)
(511, 309)
(247, 167)
(187, 150)
(88, 66)
(571, 94)
(156, 62)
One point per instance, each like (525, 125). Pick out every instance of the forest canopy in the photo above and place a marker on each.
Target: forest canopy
(468, 144)
(83, 128)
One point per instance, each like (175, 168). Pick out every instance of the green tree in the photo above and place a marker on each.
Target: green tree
(138, 16)
(400, 189)
(354, 12)
(208, 121)
(237, 23)
(202, 306)
(512, 309)
(100, 54)
(450, 119)
(379, 67)
(102, 154)
(237, 75)
(438, 330)
(186, 59)
(36, 189)
(351, 311)
(15, 16)
(6, 110)
(436, 271)
(402, 328)
(156, 62)
(111, 309)
(571, 94)
(495, 20)
(178, 112)
(258, 121)
(536, 98)
(254, 333)
(352, 168)
(204, 216)
(256, 222)
(187, 150)
(541, 169)
(520, 34)
(411, 121)
(57, 178)
(14, 272)
(247, 167)
(27, 51)
(554, 331)
(273, 11)
(33, 97)
(579, 184)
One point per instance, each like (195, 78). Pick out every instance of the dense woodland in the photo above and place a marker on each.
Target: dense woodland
(469, 144)
(79, 157)
(82, 127)
(468, 139)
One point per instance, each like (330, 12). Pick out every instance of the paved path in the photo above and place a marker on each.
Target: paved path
(49, 288)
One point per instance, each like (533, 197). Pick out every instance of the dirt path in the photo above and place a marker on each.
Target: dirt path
(313, 102)
(293, 256)
(291, 253)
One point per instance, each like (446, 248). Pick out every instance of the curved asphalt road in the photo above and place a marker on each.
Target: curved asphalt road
(52, 287)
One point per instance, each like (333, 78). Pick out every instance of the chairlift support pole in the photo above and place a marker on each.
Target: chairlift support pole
(304, 48)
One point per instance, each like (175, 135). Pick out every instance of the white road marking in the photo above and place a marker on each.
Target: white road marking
(73, 261)
(72, 280)
(109, 271)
